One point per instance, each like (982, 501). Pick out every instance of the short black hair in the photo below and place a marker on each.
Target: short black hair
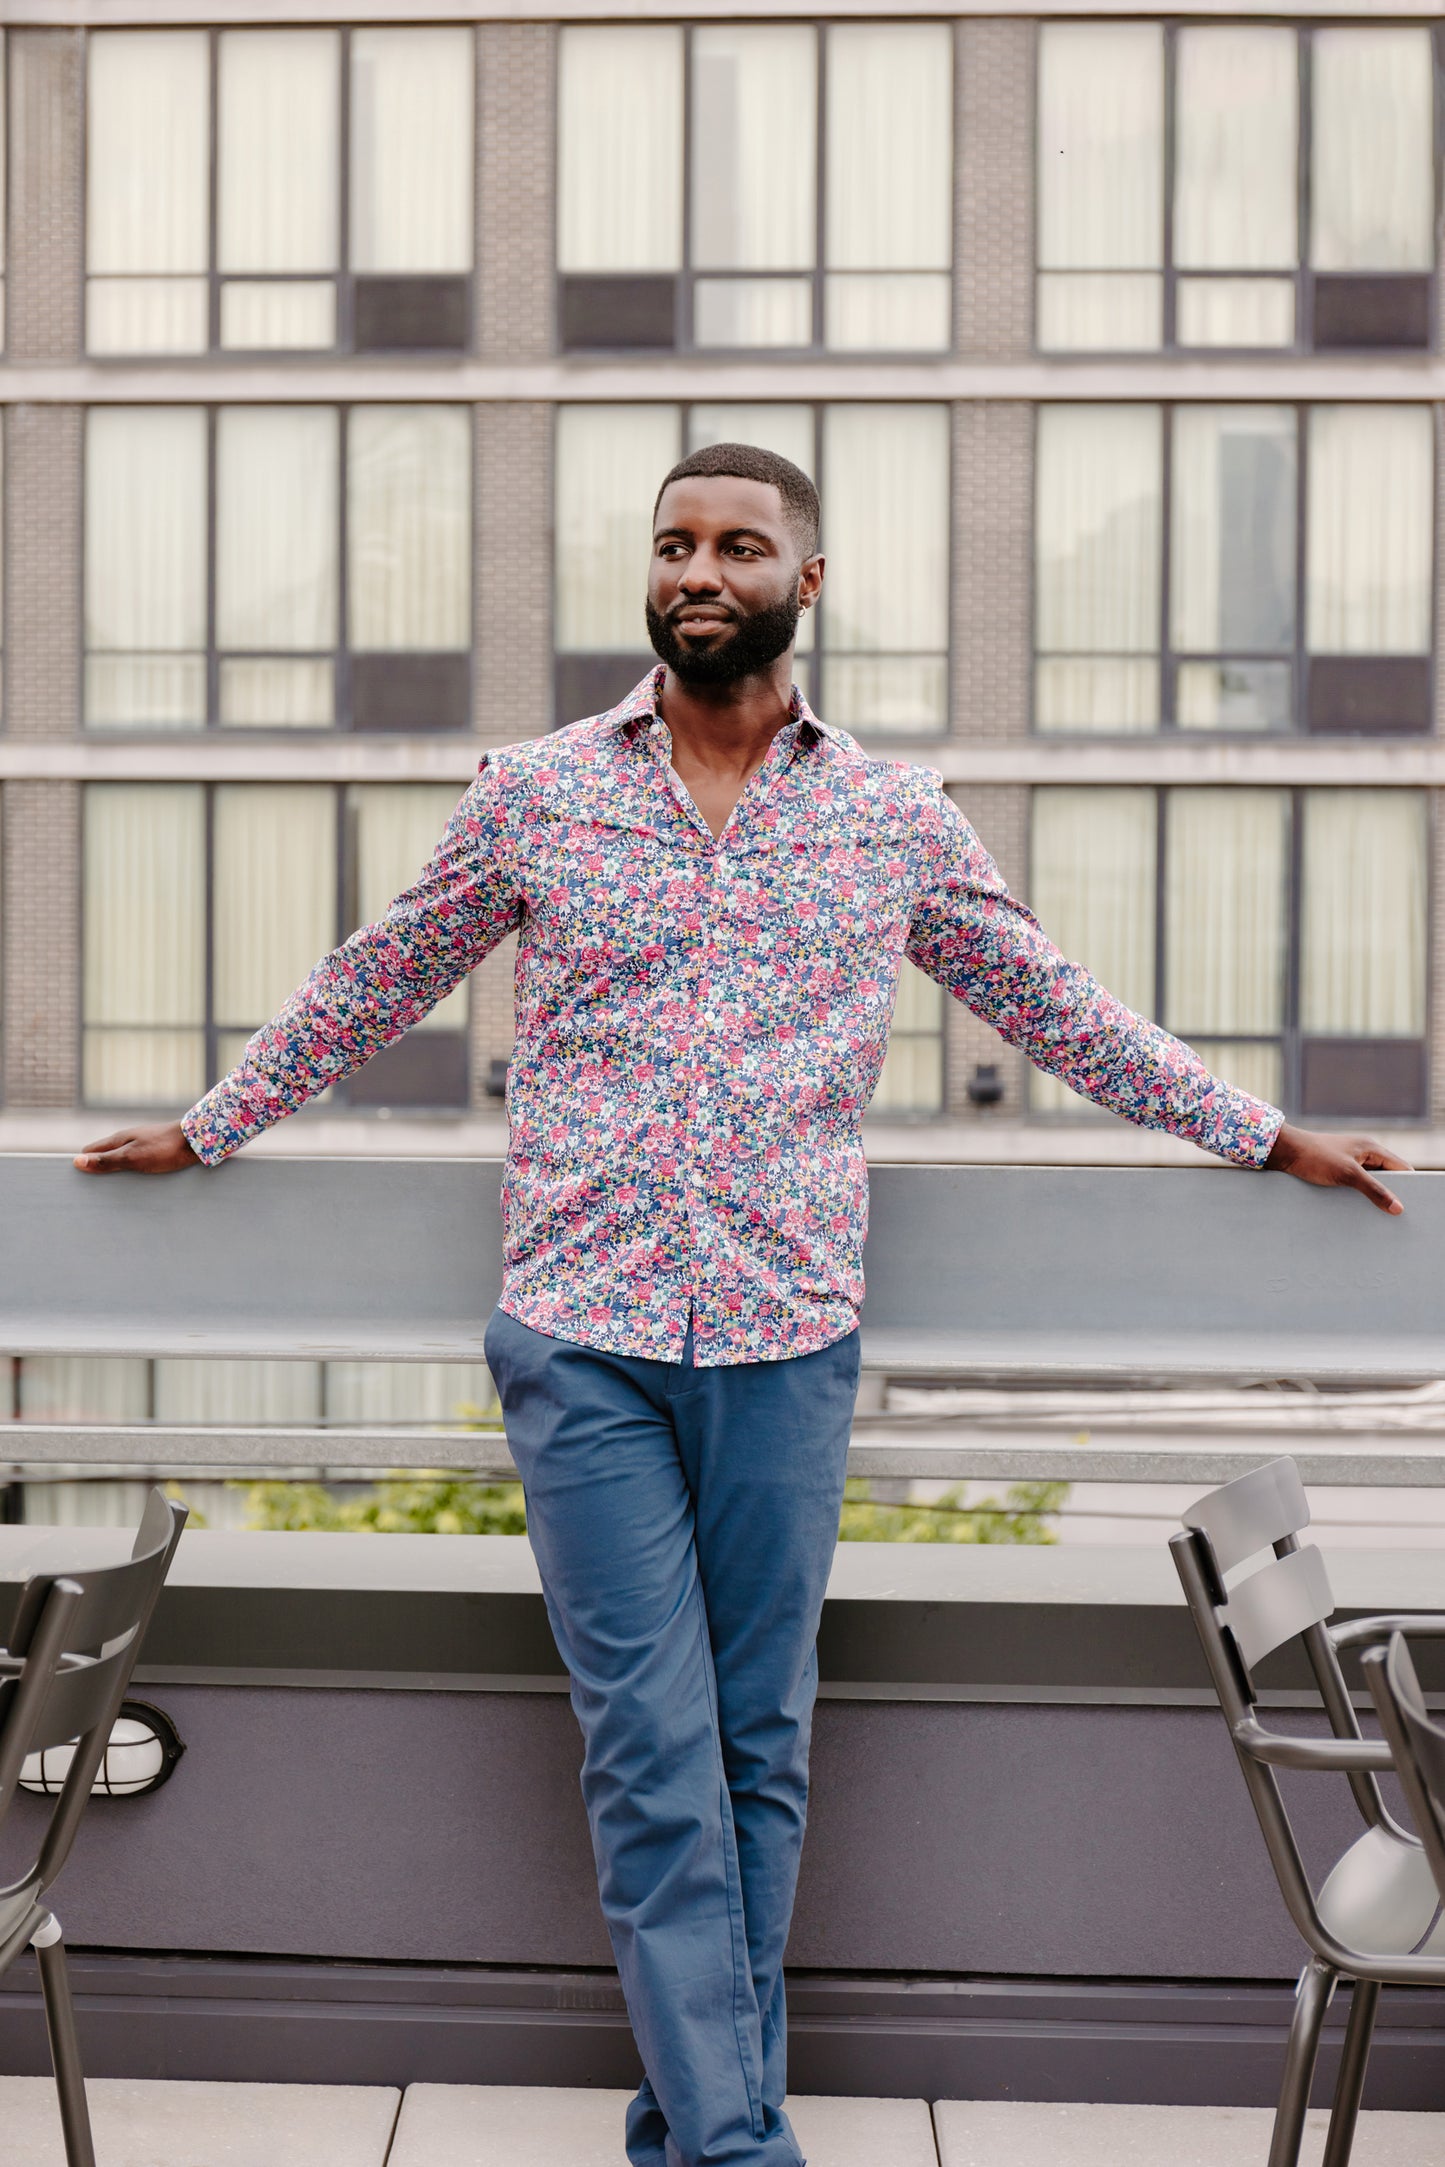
(750, 463)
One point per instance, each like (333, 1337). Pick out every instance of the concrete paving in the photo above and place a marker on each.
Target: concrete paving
(989, 2133)
(465, 2125)
(143, 2123)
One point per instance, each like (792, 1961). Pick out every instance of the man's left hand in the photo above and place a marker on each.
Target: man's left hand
(1336, 1162)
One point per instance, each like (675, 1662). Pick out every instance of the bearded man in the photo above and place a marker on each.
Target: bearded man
(714, 891)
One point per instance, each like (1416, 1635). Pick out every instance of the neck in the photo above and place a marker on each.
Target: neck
(729, 728)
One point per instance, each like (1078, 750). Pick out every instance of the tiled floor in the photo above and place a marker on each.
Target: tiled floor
(139, 2124)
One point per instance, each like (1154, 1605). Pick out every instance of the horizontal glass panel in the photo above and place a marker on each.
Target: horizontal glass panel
(268, 693)
(1100, 312)
(752, 312)
(1235, 529)
(442, 1392)
(1233, 696)
(609, 461)
(1106, 695)
(412, 99)
(1101, 146)
(619, 135)
(889, 188)
(754, 148)
(1236, 148)
(1253, 312)
(84, 1388)
(1226, 865)
(1370, 547)
(147, 151)
(1363, 913)
(887, 312)
(263, 314)
(912, 1078)
(279, 150)
(143, 1068)
(900, 693)
(227, 1391)
(147, 316)
(157, 692)
(1372, 196)
(1253, 1068)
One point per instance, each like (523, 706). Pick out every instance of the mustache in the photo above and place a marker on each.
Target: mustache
(718, 609)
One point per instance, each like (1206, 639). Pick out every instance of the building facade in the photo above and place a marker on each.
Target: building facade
(343, 353)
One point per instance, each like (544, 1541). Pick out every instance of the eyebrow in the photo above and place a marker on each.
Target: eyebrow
(731, 534)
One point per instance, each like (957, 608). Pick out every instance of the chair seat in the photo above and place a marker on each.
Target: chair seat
(1381, 1899)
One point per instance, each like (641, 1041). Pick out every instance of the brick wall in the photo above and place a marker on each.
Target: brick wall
(45, 291)
(40, 914)
(517, 64)
(992, 568)
(514, 570)
(994, 202)
(42, 570)
(999, 815)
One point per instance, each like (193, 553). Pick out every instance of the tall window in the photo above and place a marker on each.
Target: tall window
(263, 190)
(874, 653)
(1299, 208)
(768, 187)
(206, 905)
(1234, 568)
(278, 567)
(1282, 933)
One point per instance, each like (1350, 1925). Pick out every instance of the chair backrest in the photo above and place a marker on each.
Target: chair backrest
(1286, 1596)
(74, 1645)
(1415, 1739)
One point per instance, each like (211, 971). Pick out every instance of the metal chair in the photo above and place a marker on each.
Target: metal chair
(64, 1675)
(1376, 1919)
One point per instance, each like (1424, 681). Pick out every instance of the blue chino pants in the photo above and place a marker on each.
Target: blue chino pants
(683, 1522)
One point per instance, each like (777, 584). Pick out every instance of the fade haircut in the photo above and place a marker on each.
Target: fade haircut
(750, 463)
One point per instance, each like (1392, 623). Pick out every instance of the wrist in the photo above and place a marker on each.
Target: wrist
(1285, 1149)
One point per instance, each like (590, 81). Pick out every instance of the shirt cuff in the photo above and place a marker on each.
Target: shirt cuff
(1239, 1127)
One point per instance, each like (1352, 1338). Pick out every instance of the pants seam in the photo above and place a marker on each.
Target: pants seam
(732, 1879)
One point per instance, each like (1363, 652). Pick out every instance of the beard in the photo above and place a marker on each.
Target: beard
(760, 637)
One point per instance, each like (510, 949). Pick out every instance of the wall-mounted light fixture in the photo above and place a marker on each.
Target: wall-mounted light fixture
(985, 1085)
(143, 1751)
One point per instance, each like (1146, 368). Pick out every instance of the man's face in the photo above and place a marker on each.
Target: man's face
(726, 586)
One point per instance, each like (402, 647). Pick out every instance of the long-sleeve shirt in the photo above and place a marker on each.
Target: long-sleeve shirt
(701, 1022)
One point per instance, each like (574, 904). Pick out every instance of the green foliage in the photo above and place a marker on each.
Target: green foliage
(1020, 1518)
(419, 1504)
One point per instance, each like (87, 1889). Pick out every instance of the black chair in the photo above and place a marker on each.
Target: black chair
(63, 1677)
(1416, 1740)
(1376, 1918)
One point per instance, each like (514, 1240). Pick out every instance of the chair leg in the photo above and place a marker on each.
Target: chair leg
(1312, 1999)
(64, 2046)
(1360, 2030)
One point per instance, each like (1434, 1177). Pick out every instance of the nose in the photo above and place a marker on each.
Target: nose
(703, 574)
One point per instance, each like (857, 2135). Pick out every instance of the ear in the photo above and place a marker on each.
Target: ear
(810, 581)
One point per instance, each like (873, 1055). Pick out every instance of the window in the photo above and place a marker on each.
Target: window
(1282, 933)
(278, 567)
(1299, 208)
(806, 201)
(1173, 547)
(206, 905)
(279, 190)
(912, 1078)
(873, 654)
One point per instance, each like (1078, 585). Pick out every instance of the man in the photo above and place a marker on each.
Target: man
(714, 892)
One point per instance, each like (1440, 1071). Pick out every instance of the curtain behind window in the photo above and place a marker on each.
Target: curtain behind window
(912, 1078)
(409, 518)
(886, 536)
(1097, 523)
(1370, 548)
(1092, 887)
(277, 475)
(274, 899)
(754, 148)
(889, 185)
(411, 150)
(610, 460)
(619, 145)
(1372, 187)
(145, 566)
(1225, 899)
(148, 131)
(1100, 185)
(279, 146)
(394, 830)
(1363, 926)
(144, 930)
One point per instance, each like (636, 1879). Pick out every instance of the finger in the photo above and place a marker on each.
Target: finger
(98, 1160)
(109, 1143)
(1376, 1155)
(1375, 1190)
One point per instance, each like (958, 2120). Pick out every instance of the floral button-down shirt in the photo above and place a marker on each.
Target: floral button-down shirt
(701, 1022)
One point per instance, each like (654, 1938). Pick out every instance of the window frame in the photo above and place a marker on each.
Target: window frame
(1290, 1039)
(1299, 656)
(1302, 274)
(814, 656)
(686, 275)
(343, 278)
(343, 655)
(343, 1100)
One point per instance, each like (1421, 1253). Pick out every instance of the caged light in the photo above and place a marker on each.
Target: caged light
(141, 1755)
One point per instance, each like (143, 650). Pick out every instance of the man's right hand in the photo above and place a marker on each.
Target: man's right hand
(161, 1149)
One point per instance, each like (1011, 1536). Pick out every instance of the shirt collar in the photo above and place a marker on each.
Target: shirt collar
(640, 708)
